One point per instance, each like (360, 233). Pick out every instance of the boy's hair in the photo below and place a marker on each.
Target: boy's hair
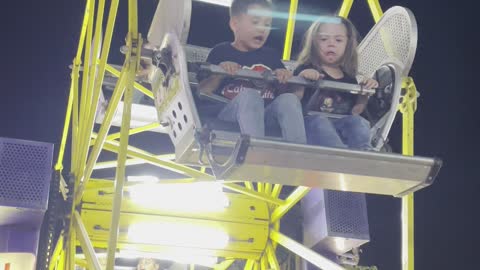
(349, 61)
(239, 7)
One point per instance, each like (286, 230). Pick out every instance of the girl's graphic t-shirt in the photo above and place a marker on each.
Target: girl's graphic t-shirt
(328, 101)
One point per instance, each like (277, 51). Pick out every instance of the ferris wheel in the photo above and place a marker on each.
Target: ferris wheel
(152, 175)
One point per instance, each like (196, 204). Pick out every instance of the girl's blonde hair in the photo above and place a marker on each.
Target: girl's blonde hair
(309, 55)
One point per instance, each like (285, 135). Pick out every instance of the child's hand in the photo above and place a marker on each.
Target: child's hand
(283, 75)
(369, 83)
(358, 109)
(311, 74)
(230, 67)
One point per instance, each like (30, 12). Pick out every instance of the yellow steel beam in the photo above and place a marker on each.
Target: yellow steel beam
(276, 227)
(66, 126)
(272, 258)
(249, 185)
(133, 22)
(85, 243)
(292, 13)
(268, 188)
(304, 252)
(224, 265)
(152, 159)
(292, 199)
(70, 245)
(75, 124)
(59, 264)
(264, 262)
(73, 92)
(134, 131)
(97, 77)
(410, 98)
(84, 175)
(376, 9)
(58, 256)
(407, 233)
(75, 82)
(345, 8)
(407, 108)
(249, 265)
(120, 171)
(137, 86)
(131, 161)
(82, 263)
(253, 194)
(134, 43)
(277, 188)
(94, 75)
(260, 187)
(86, 16)
(83, 135)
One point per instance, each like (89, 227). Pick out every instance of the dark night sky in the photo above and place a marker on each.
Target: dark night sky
(39, 42)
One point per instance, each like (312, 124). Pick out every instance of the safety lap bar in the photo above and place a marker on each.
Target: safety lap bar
(271, 78)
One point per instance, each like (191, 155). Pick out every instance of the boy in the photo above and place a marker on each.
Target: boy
(253, 104)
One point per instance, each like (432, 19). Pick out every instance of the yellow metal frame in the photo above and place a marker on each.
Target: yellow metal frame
(408, 108)
(87, 144)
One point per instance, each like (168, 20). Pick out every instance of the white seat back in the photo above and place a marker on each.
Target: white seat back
(392, 40)
(170, 16)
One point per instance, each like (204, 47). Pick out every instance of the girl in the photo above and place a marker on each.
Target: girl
(329, 52)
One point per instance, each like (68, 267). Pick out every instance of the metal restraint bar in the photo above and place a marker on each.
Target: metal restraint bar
(271, 78)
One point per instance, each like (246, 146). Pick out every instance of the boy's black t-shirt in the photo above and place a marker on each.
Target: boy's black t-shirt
(258, 60)
(328, 101)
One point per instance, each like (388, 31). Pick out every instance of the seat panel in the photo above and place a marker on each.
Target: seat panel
(279, 162)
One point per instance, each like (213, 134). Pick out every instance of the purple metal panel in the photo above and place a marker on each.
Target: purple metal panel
(25, 174)
(334, 221)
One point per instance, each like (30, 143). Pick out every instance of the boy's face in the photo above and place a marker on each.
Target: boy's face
(331, 42)
(251, 29)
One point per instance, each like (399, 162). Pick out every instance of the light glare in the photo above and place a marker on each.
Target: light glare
(225, 3)
(181, 197)
(178, 234)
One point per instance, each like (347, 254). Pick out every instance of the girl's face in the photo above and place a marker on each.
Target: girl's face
(330, 42)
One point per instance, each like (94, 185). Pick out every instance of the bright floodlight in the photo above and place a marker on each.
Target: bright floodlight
(178, 234)
(181, 197)
(143, 179)
(226, 3)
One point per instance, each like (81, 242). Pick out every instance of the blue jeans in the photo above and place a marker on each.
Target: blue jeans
(247, 109)
(351, 131)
